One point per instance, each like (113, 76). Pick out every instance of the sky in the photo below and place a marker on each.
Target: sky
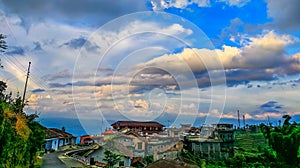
(173, 61)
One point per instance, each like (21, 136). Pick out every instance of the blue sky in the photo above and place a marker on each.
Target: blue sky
(147, 60)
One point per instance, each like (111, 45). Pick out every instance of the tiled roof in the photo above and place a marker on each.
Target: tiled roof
(109, 132)
(56, 133)
(137, 124)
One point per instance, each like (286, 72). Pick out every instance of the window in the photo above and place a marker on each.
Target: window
(140, 145)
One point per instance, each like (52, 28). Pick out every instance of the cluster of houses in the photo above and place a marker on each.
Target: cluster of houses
(135, 140)
(56, 139)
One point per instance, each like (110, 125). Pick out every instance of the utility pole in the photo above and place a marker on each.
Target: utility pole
(27, 76)
(239, 122)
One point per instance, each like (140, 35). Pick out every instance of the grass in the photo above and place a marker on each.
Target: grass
(250, 141)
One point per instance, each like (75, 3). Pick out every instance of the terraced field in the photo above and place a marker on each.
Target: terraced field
(250, 141)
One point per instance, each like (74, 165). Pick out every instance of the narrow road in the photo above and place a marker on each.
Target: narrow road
(51, 160)
(58, 160)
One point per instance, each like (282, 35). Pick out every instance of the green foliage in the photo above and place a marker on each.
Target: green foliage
(111, 158)
(148, 159)
(253, 142)
(195, 159)
(285, 141)
(20, 136)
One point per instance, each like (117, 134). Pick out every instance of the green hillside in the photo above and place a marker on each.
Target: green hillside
(250, 141)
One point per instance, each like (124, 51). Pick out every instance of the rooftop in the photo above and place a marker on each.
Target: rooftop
(137, 124)
(57, 133)
(109, 132)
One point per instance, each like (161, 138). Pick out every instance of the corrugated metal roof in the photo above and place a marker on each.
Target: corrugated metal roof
(57, 133)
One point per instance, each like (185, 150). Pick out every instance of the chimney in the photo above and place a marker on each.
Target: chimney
(63, 129)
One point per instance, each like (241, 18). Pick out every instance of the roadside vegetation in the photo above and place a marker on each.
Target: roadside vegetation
(21, 137)
(261, 146)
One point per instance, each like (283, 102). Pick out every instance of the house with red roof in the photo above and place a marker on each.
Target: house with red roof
(144, 127)
(109, 134)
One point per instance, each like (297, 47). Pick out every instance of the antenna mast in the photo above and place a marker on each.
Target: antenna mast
(27, 76)
(239, 122)
(244, 121)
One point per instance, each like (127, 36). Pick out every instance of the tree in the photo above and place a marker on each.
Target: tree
(111, 158)
(21, 137)
(285, 141)
(3, 46)
(194, 159)
(148, 159)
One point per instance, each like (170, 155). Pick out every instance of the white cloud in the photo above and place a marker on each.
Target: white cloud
(238, 3)
(182, 4)
(165, 4)
(262, 51)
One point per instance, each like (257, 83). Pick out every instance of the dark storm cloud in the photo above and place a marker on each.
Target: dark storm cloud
(78, 83)
(253, 75)
(77, 43)
(15, 50)
(59, 85)
(285, 13)
(236, 77)
(37, 46)
(152, 78)
(272, 108)
(72, 10)
(38, 90)
(244, 77)
(269, 104)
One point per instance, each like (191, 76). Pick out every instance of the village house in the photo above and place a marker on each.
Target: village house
(91, 139)
(56, 138)
(133, 142)
(179, 132)
(159, 144)
(168, 153)
(142, 127)
(96, 156)
(109, 134)
(133, 146)
(218, 142)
